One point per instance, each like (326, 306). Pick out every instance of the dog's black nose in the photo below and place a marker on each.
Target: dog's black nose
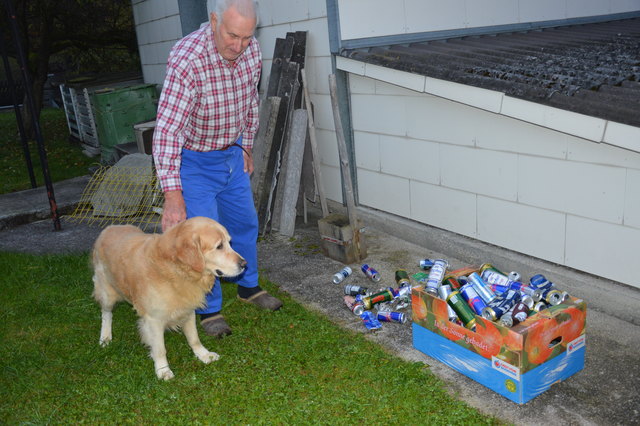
(242, 264)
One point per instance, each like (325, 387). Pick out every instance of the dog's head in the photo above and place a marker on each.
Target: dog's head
(203, 244)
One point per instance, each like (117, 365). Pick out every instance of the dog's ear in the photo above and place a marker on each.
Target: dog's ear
(189, 251)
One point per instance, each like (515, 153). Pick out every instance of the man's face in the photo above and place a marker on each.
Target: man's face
(233, 34)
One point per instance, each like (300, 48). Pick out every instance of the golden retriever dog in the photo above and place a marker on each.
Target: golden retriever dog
(165, 277)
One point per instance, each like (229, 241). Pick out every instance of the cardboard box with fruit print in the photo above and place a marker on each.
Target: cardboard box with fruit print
(519, 362)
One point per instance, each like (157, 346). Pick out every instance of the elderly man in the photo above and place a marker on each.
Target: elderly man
(207, 120)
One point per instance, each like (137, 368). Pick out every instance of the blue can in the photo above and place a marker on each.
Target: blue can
(426, 263)
(494, 313)
(472, 297)
(388, 316)
(370, 321)
(370, 272)
(499, 289)
(552, 296)
(535, 293)
(540, 281)
(481, 287)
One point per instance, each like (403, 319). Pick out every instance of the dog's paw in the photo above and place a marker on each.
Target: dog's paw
(104, 341)
(164, 373)
(208, 357)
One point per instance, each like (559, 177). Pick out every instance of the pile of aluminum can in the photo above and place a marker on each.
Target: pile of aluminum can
(382, 305)
(494, 295)
(487, 292)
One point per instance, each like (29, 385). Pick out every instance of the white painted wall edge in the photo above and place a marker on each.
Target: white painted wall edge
(580, 125)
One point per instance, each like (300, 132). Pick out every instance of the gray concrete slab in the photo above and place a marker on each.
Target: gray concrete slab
(22, 207)
(604, 393)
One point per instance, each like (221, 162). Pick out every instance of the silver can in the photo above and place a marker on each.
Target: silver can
(443, 292)
(354, 306)
(338, 277)
(436, 275)
(481, 287)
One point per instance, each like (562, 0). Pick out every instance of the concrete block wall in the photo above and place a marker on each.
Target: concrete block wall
(501, 180)
(158, 28)
(376, 18)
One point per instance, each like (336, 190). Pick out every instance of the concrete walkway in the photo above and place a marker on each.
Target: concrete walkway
(604, 393)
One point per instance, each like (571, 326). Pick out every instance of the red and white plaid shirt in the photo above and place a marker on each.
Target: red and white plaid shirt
(206, 102)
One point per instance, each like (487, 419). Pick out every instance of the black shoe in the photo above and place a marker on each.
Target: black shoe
(216, 326)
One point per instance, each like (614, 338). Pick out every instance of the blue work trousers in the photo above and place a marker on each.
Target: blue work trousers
(215, 185)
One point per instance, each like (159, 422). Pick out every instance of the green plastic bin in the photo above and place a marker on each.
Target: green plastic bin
(116, 111)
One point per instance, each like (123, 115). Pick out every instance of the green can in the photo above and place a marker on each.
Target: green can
(452, 281)
(402, 278)
(374, 299)
(462, 309)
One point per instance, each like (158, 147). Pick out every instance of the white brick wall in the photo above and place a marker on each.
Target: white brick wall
(480, 171)
(583, 189)
(158, 28)
(444, 208)
(632, 199)
(385, 192)
(418, 160)
(529, 230)
(367, 147)
(489, 176)
(603, 249)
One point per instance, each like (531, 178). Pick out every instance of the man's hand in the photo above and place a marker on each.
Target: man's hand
(174, 210)
(248, 161)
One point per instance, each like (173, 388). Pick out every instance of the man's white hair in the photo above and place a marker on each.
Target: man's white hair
(246, 8)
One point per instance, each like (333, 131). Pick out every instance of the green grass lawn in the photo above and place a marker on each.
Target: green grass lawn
(287, 367)
(65, 158)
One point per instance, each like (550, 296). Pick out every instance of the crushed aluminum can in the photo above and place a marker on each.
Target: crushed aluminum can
(370, 321)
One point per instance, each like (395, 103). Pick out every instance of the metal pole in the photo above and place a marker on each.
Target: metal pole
(16, 107)
(32, 110)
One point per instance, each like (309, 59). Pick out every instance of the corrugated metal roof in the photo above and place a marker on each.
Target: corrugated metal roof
(593, 69)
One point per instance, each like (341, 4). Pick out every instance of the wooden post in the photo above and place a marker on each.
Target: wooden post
(314, 146)
(291, 178)
(262, 148)
(344, 167)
